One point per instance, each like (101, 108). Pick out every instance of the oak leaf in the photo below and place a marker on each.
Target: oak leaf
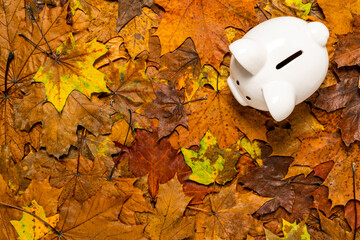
(344, 95)
(295, 8)
(168, 107)
(204, 23)
(168, 220)
(212, 164)
(223, 117)
(227, 214)
(30, 227)
(72, 69)
(347, 52)
(96, 218)
(129, 10)
(156, 158)
(59, 129)
(136, 33)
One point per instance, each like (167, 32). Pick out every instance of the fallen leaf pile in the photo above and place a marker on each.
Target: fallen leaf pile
(116, 122)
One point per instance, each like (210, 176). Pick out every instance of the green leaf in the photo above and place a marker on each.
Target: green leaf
(72, 69)
(212, 164)
(29, 227)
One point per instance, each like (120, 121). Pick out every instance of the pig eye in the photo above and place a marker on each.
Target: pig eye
(248, 98)
(237, 82)
(289, 59)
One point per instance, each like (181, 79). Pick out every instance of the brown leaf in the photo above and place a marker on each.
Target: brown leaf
(59, 129)
(345, 94)
(182, 68)
(204, 22)
(153, 157)
(321, 200)
(224, 117)
(347, 52)
(227, 215)
(168, 220)
(96, 218)
(350, 212)
(128, 10)
(7, 232)
(266, 181)
(169, 108)
(130, 89)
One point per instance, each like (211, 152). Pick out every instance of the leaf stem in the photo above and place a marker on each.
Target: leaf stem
(42, 34)
(122, 148)
(36, 46)
(10, 58)
(32, 214)
(195, 100)
(80, 143)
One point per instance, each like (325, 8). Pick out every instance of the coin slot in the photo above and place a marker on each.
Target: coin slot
(289, 59)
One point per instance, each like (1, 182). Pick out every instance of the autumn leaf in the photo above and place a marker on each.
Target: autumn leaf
(204, 23)
(59, 130)
(212, 164)
(70, 70)
(296, 8)
(291, 231)
(129, 10)
(7, 232)
(19, 61)
(86, 7)
(156, 158)
(331, 229)
(227, 214)
(30, 227)
(96, 218)
(136, 33)
(168, 107)
(223, 117)
(182, 68)
(168, 220)
(267, 181)
(347, 52)
(344, 95)
(130, 89)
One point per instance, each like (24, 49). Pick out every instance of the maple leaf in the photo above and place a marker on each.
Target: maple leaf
(223, 117)
(168, 221)
(168, 107)
(347, 52)
(344, 95)
(83, 5)
(204, 23)
(136, 33)
(227, 214)
(44, 194)
(19, 61)
(338, 14)
(296, 8)
(156, 158)
(291, 231)
(267, 181)
(182, 68)
(59, 130)
(212, 164)
(70, 70)
(130, 89)
(331, 229)
(30, 227)
(119, 133)
(7, 232)
(129, 10)
(96, 218)
(116, 51)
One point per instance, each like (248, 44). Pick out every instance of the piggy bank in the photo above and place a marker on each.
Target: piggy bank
(278, 64)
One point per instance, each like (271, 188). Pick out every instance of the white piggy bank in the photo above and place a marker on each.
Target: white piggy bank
(278, 64)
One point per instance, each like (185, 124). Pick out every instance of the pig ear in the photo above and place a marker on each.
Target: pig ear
(280, 99)
(249, 53)
(235, 92)
(319, 32)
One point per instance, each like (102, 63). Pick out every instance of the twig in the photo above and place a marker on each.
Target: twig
(354, 191)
